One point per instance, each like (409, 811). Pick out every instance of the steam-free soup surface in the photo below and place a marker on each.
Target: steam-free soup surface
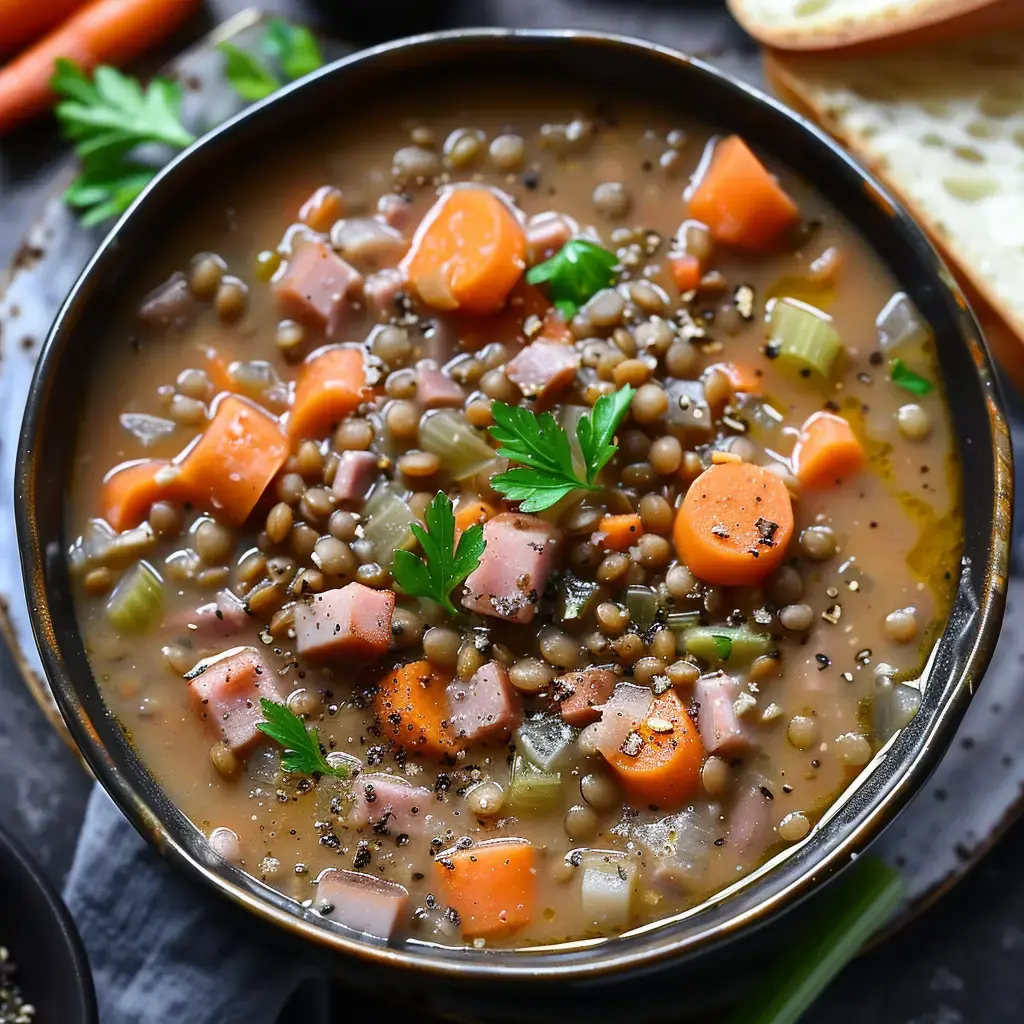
(648, 688)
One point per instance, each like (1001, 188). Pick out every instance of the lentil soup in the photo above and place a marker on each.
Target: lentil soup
(586, 486)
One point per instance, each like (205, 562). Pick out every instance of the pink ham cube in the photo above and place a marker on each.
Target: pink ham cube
(317, 285)
(486, 708)
(436, 390)
(352, 622)
(543, 368)
(514, 569)
(356, 474)
(720, 728)
(225, 692)
(580, 694)
(385, 802)
(369, 905)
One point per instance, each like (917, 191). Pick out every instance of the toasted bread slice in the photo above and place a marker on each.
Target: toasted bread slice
(944, 127)
(872, 24)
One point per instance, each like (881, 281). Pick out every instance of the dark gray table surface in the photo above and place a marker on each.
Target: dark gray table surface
(958, 963)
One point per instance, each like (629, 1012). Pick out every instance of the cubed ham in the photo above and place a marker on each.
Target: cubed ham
(436, 390)
(317, 285)
(225, 691)
(223, 617)
(389, 805)
(354, 621)
(356, 474)
(543, 368)
(579, 694)
(368, 242)
(546, 233)
(381, 290)
(721, 730)
(395, 210)
(486, 708)
(514, 568)
(169, 304)
(369, 905)
(749, 825)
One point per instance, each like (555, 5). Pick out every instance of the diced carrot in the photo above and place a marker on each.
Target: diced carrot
(471, 512)
(827, 451)
(468, 252)
(129, 491)
(412, 705)
(734, 524)
(229, 466)
(218, 372)
(740, 201)
(619, 533)
(492, 885)
(22, 21)
(665, 770)
(102, 32)
(332, 383)
(742, 377)
(323, 208)
(685, 270)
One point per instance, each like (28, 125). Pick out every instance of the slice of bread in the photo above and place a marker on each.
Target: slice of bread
(944, 128)
(872, 24)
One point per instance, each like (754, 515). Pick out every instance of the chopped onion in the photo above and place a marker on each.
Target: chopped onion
(460, 447)
(147, 429)
(386, 521)
(900, 326)
(138, 600)
(545, 740)
(627, 707)
(680, 843)
(606, 891)
(802, 337)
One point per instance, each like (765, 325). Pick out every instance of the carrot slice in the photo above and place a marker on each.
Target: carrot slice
(734, 524)
(412, 705)
(741, 376)
(685, 270)
(332, 383)
(492, 885)
(665, 770)
(104, 31)
(471, 512)
(827, 451)
(468, 252)
(740, 201)
(129, 491)
(230, 464)
(23, 21)
(619, 533)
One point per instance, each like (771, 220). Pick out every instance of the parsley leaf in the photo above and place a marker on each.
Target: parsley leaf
(723, 645)
(905, 378)
(246, 74)
(100, 193)
(577, 272)
(546, 473)
(445, 565)
(294, 47)
(302, 753)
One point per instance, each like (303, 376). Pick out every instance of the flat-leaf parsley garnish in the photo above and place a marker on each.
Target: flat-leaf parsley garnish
(906, 378)
(575, 274)
(302, 753)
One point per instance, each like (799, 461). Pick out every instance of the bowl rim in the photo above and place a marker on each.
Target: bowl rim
(603, 957)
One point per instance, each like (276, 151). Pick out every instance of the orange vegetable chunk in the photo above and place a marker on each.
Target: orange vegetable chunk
(471, 512)
(492, 885)
(742, 377)
(412, 705)
(827, 452)
(620, 532)
(665, 770)
(129, 491)
(332, 383)
(228, 467)
(740, 201)
(685, 270)
(734, 524)
(468, 253)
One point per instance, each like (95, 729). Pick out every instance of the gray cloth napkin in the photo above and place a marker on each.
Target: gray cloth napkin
(165, 951)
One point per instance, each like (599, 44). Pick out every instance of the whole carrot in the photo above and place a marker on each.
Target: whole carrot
(24, 21)
(102, 32)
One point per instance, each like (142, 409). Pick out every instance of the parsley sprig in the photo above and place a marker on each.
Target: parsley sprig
(302, 753)
(575, 274)
(546, 473)
(906, 378)
(294, 49)
(444, 565)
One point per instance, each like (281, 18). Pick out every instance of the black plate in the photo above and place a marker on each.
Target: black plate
(721, 936)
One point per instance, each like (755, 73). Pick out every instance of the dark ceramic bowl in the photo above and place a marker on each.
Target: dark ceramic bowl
(728, 932)
(40, 936)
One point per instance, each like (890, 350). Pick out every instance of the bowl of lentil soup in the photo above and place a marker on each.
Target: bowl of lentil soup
(525, 535)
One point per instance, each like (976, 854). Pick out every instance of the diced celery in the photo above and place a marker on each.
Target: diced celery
(386, 519)
(137, 602)
(642, 605)
(682, 622)
(726, 645)
(575, 597)
(545, 740)
(461, 448)
(532, 789)
(803, 338)
(606, 891)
